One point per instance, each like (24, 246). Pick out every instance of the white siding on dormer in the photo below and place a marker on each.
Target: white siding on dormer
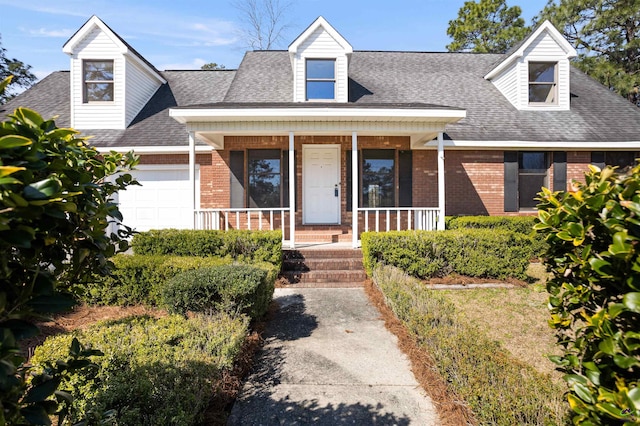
(98, 115)
(321, 45)
(544, 45)
(507, 83)
(140, 87)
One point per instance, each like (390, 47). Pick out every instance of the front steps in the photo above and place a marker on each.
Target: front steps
(323, 267)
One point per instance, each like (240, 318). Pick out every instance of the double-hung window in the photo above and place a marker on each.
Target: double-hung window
(267, 176)
(532, 176)
(321, 79)
(98, 81)
(543, 83)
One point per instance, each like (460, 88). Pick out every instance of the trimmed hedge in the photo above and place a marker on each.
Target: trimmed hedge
(521, 224)
(230, 288)
(482, 253)
(138, 279)
(154, 371)
(258, 246)
(500, 389)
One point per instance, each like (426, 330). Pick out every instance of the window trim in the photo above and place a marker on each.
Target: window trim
(85, 93)
(307, 79)
(535, 83)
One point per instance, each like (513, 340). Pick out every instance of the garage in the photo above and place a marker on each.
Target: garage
(163, 200)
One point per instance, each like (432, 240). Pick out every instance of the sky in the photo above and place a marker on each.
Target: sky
(185, 34)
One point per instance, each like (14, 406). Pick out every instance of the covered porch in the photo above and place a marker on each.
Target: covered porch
(340, 170)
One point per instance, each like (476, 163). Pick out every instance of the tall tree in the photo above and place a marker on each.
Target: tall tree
(486, 26)
(213, 66)
(22, 76)
(606, 34)
(264, 22)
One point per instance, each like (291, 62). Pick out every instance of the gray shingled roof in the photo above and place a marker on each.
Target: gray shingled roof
(454, 80)
(151, 127)
(390, 79)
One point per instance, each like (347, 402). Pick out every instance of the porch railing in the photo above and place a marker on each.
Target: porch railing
(250, 218)
(399, 218)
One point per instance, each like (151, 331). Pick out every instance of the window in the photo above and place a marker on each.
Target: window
(543, 83)
(321, 79)
(532, 176)
(98, 81)
(378, 178)
(267, 174)
(623, 160)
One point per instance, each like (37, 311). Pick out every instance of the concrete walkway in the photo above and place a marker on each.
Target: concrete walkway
(329, 360)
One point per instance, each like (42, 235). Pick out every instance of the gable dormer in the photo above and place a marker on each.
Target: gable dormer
(110, 81)
(320, 60)
(536, 74)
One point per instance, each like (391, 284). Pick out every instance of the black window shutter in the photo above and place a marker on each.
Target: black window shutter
(597, 159)
(405, 178)
(510, 181)
(284, 166)
(560, 171)
(236, 164)
(348, 179)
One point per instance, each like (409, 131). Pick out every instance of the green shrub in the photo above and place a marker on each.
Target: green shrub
(259, 246)
(154, 371)
(521, 224)
(594, 294)
(230, 288)
(500, 389)
(138, 279)
(475, 252)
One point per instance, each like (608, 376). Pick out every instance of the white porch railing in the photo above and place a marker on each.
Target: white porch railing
(399, 218)
(251, 219)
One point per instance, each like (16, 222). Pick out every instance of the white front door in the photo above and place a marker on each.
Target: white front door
(321, 184)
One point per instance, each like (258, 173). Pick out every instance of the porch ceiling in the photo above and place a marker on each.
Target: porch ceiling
(421, 122)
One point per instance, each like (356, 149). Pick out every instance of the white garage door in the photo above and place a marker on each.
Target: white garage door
(163, 200)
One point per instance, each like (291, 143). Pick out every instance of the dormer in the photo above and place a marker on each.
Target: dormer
(110, 81)
(535, 75)
(320, 60)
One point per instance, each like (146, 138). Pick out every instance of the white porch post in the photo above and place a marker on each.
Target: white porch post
(441, 190)
(292, 192)
(354, 188)
(192, 174)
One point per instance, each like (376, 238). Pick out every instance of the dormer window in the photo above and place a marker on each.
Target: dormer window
(98, 81)
(321, 79)
(543, 83)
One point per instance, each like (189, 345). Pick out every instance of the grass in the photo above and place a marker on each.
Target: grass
(522, 321)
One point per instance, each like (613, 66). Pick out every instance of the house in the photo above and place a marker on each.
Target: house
(324, 141)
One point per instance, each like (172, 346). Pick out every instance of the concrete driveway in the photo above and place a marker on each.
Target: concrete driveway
(329, 360)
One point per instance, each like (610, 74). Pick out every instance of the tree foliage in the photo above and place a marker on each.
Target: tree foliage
(213, 66)
(20, 72)
(606, 34)
(486, 26)
(593, 234)
(55, 206)
(264, 22)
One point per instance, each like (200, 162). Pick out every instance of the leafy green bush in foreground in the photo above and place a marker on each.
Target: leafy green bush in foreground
(474, 252)
(500, 389)
(154, 371)
(594, 294)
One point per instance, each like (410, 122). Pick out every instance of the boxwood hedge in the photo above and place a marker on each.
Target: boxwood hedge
(154, 371)
(259, 246)
(483, 253)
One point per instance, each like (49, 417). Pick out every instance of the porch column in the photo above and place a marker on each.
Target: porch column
(441, 190)
(354, 188)
(292, 192)
(192, 174)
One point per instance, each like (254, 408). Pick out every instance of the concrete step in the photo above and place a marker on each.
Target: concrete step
(335, 276)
